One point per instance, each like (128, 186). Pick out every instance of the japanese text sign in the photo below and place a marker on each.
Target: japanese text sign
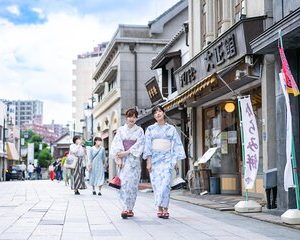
(251, 142)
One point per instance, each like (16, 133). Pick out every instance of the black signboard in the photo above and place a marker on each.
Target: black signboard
(153, 90)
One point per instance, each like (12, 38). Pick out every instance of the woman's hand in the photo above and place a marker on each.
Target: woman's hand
(119, 162)
(122, 154)
(90, 167)
(149, 165)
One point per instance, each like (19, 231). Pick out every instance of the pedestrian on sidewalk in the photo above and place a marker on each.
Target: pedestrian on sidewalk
(66, 171)
(38, 171)
(96, 164)
(126, 149)
(58, 170)
(77, 174)
(23, 169)
(30, 170)
(51, 172)
(163, 148)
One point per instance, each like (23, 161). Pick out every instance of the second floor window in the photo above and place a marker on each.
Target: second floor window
(172, 80)
(100, 96)
(112, 85)
(203, 23)
(238, 9)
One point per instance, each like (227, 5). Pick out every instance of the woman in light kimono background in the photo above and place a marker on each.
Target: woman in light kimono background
(96, 165)
(77, 174)
(163, 148)
(127, 147)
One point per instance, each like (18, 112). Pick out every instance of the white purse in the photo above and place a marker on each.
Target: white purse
(71, 161)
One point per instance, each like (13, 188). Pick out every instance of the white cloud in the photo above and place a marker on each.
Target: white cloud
(13, 9)
(36, 59)
(40, 12)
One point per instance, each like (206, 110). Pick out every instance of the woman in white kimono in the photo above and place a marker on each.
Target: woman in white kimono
(96, 165)
(77, 174)
(163, 148)
(126, 149)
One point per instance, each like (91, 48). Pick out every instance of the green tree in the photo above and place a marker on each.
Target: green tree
(43, 155)
(44, 158)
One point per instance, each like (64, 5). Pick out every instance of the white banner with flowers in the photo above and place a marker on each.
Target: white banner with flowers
(250, 140)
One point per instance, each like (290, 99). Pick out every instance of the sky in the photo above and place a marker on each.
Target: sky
(40, 38)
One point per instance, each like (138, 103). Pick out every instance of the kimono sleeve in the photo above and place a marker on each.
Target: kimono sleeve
(178, 152)
(74, 149)
(148, 144)
(116, 145)
(137, 149)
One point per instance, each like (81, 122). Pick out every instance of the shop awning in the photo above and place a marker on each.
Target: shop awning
(191, 92)
(12, 153)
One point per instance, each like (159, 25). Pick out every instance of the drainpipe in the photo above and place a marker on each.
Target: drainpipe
(133, 51)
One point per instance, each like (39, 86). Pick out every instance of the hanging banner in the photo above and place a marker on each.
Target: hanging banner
(291, 85)
(288, 171)
(30, 153)
(251, 142)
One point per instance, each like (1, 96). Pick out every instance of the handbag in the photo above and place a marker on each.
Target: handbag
(71, 161)
(115, 182)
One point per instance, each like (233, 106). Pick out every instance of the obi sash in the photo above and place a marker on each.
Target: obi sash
(161, 145)
(128, 144)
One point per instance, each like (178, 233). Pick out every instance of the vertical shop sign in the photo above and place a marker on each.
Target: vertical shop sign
(250, 140)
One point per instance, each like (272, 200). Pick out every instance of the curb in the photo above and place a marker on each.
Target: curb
(230, 210)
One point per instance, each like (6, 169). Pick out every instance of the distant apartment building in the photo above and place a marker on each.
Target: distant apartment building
(47, 134)
(58, 129)
(25, 111)
(82, 86)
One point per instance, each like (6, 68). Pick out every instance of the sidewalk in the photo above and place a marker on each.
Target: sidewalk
(227, 202)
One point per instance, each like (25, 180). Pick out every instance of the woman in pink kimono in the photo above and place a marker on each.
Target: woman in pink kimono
(127, 147)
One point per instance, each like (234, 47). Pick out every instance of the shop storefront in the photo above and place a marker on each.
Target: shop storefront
(288, 25)
(208, 85)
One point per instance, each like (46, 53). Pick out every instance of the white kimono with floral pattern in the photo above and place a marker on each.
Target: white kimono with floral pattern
(131, 171)
(163, 162)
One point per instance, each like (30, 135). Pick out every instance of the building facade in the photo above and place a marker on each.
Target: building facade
(124, 68)
(221, 66)
(286, 20)
(25, 111)
(9, 139)
(82, 87)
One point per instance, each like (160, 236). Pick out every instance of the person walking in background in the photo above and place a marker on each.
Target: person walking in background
(66, 171)
(163, 148)
(58, 170)
(30, 170)
(23, 169)
(96, 165)
(38, 171)
(126, 149)
(51, 172)
(77, 174)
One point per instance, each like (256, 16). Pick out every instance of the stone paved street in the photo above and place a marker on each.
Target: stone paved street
(49, 210)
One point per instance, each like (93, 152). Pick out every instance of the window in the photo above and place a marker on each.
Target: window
(173, 81)
(219, 16)
(111, 85)
(239, 8)
(203, 23)
(100, 96)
